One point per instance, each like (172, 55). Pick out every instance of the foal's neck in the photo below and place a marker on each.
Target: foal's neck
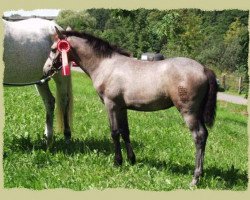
(89, 61)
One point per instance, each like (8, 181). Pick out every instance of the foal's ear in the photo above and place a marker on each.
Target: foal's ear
(59, 34)
(54, 37)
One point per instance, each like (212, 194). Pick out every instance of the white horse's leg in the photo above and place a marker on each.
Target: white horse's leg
(49, 102)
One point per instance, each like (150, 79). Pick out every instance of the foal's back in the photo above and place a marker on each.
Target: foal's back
(148, 86)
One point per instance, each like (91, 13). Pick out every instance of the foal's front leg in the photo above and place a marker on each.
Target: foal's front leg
(119, 126)
(115, 134)
(125, 136)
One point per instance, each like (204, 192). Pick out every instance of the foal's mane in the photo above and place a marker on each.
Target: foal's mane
(100, 46)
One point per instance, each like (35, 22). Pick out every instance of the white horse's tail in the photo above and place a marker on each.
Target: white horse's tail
(64, 105)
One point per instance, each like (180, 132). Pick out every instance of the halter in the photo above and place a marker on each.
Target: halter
(63, 47)
(56, 65)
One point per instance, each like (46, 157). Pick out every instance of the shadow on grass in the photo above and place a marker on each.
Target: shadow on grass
(237, 122)
(26, 145)
(230, 177)
(104, 146)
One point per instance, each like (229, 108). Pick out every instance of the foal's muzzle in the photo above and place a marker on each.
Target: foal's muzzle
(55, 66)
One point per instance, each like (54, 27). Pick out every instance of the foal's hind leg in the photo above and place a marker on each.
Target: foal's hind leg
(49, 102)
(200, 134)
(119, 126)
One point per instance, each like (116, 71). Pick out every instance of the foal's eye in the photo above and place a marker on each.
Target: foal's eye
(53, 50)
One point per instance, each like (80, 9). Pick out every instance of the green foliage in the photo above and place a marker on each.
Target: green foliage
(168, 29)
(101, 16)
(236, 46)
(162, 143)
(181, 31)
(234, 31)
(77, 20)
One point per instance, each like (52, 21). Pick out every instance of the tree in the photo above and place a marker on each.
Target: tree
(101, 16)
(79, 21)
(236, 47)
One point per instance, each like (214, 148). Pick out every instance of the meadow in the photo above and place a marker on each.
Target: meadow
(162, 143)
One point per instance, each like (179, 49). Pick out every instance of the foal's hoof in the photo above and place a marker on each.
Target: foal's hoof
(194, 182)
(132, 160)
(118, 162)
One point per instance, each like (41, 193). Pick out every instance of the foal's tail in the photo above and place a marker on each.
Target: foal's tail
(64, 102)
(209, 109)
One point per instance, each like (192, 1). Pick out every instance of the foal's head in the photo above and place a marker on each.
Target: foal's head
(54, 61)
(85, 50)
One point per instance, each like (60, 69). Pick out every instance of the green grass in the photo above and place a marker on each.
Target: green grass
(162, 144)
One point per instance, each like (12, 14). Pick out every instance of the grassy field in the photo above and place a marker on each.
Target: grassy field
(162, 143)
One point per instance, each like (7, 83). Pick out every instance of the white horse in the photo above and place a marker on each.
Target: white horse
(26, 47)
